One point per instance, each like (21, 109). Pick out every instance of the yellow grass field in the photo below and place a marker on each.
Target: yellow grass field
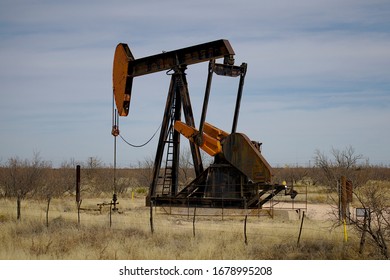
(126, 234)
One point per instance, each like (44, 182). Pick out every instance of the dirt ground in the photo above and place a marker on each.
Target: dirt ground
(319, 211)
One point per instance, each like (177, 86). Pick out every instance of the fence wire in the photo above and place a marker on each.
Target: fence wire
(133, 215)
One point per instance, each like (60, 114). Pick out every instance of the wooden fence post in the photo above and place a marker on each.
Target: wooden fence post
(78, 212)
(245, 237)
(111, 213)
(300, 229)
(78, 196)
(193, 223)
(151, 217)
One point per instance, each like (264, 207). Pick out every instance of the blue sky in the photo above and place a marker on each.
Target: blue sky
(318, 75)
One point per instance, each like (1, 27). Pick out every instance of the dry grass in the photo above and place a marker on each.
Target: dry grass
(129, 236)
(314, 194)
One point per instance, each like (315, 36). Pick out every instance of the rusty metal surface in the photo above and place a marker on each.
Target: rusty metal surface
(186, 56)
(241, 153)
(229, 70)
(125, 67)
(121, 83)
(239, 177)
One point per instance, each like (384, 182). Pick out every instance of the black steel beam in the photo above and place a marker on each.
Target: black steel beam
(186, 56)
(125, 67)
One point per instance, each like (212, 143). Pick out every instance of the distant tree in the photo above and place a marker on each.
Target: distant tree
(186, 167)
(374, 198)
(126, 179)
(186, 170)
(23, 178)
(371, 195)
(291, 174)
(56, 183)
(106, 180)
(90, 170)
(145, 174)
(341, 163)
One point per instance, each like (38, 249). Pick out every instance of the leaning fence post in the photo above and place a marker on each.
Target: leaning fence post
(300, 229)
(245, 237)
(78, 212)
(78, 196)
(111, 213)
(193, 222)
(151, 217)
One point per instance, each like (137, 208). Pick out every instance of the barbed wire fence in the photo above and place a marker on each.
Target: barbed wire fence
(248, 224)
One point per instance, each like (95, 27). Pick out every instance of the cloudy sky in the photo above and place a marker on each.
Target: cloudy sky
(318, 75)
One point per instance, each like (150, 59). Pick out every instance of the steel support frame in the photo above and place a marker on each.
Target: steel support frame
(178, 99)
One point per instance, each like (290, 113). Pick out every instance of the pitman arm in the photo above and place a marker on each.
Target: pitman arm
(210, 140)
(236, 148)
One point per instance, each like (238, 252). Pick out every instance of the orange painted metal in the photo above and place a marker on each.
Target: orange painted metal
(121, 83)
(210, 144)
(236, 148)
(214, 132)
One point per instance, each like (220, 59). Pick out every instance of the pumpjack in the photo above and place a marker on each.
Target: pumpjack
(239, 177)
